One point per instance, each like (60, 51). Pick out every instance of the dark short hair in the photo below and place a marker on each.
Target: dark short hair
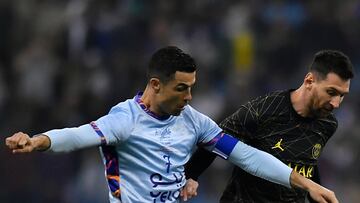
(166, 61)
(332, 61)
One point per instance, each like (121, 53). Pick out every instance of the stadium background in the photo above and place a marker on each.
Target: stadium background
(65, 63)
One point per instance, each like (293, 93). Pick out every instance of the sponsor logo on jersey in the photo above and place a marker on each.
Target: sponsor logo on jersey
(306, 171)
(278, 145)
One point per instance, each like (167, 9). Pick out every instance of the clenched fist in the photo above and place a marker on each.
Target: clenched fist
(22, 143)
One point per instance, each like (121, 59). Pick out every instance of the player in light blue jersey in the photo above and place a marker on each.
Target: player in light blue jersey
(146, 141)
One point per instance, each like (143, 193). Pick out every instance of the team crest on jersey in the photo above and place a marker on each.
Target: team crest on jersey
(164, 136)
(316, 151)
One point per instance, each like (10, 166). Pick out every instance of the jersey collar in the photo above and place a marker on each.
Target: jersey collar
(147, 110)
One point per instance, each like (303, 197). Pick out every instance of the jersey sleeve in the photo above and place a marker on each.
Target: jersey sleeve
(70, 139)
(260, 164)
(250, 159)
(107, 130)
(115, 127)
(207, 129)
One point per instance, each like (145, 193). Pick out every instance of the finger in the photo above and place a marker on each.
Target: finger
(23, 150)
(185, 196)
(8, 141)
(322, 200)
(11, 142)
(190, 190)
(23, 141)
(331, 199)
(18, 140)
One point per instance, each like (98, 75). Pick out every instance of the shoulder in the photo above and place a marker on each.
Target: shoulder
(196, 118)
(277, 96)
(192, 113)
(330, 121)
(125, 106)
(273, 100)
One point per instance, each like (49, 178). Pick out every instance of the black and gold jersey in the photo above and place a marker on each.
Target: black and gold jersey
(271, 124)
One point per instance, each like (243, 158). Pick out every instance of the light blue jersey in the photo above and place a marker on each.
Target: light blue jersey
(144, 155)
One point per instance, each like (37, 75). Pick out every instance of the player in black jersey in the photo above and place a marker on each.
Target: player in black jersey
(292, 125)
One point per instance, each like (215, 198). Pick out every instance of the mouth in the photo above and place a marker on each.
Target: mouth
(182, 107)
(327, 111)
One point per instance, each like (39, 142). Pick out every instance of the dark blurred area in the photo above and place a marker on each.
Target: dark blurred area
(66, 63)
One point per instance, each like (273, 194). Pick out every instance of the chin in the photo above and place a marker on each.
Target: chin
(176, 113)
(324, 114)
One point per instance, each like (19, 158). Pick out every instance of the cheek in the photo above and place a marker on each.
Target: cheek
(171, 101)
(324, 99)
(318, 99)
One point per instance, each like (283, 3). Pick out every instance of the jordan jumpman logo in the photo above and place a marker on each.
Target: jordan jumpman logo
(278, 145)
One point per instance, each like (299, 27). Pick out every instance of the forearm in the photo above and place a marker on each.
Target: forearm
(316, 179)
(69, 139)
(261, 164)
(300, 181)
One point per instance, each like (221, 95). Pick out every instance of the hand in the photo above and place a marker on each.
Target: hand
(316, 191)
(20, 143)
(321, 194)
(189, 190)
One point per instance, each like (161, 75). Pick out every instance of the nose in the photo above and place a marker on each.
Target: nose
(335, 102)
(188, 96)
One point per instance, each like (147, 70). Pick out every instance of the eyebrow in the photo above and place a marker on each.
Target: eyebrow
(186, 85)
(338, 91)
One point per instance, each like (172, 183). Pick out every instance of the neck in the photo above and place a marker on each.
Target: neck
(148, 99)
(298, 101)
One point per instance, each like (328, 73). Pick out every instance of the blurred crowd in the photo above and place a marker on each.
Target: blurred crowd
(65, 63)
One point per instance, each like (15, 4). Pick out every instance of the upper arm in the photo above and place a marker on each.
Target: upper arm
(115, 127)
(204, 128)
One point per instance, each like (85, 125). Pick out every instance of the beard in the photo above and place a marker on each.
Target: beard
(323, 111)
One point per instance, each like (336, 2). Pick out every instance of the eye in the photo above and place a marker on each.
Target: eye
(181, 88)
(332, 93)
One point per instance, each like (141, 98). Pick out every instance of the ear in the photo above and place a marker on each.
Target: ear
(155, 84)
(309, 80)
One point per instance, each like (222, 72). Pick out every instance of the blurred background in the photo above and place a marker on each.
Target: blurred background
(66, 63)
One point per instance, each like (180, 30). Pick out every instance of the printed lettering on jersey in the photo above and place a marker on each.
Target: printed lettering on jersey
(304, 170)
(316, 151)
(160, 183)
(164, 196)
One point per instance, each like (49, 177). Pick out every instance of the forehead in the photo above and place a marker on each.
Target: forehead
(333, 81)
(184, 78)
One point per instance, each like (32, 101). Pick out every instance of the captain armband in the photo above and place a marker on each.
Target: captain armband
(225, 145)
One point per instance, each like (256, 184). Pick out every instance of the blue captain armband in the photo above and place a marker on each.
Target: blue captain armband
(224, 145)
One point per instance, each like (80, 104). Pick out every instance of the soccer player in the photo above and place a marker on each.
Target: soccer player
(293, 125)
(146, 141)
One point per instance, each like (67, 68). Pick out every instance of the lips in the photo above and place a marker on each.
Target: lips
(181, 107)
(329, 110)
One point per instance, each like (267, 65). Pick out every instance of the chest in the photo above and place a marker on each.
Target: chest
(293, 139)
(163, 147)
